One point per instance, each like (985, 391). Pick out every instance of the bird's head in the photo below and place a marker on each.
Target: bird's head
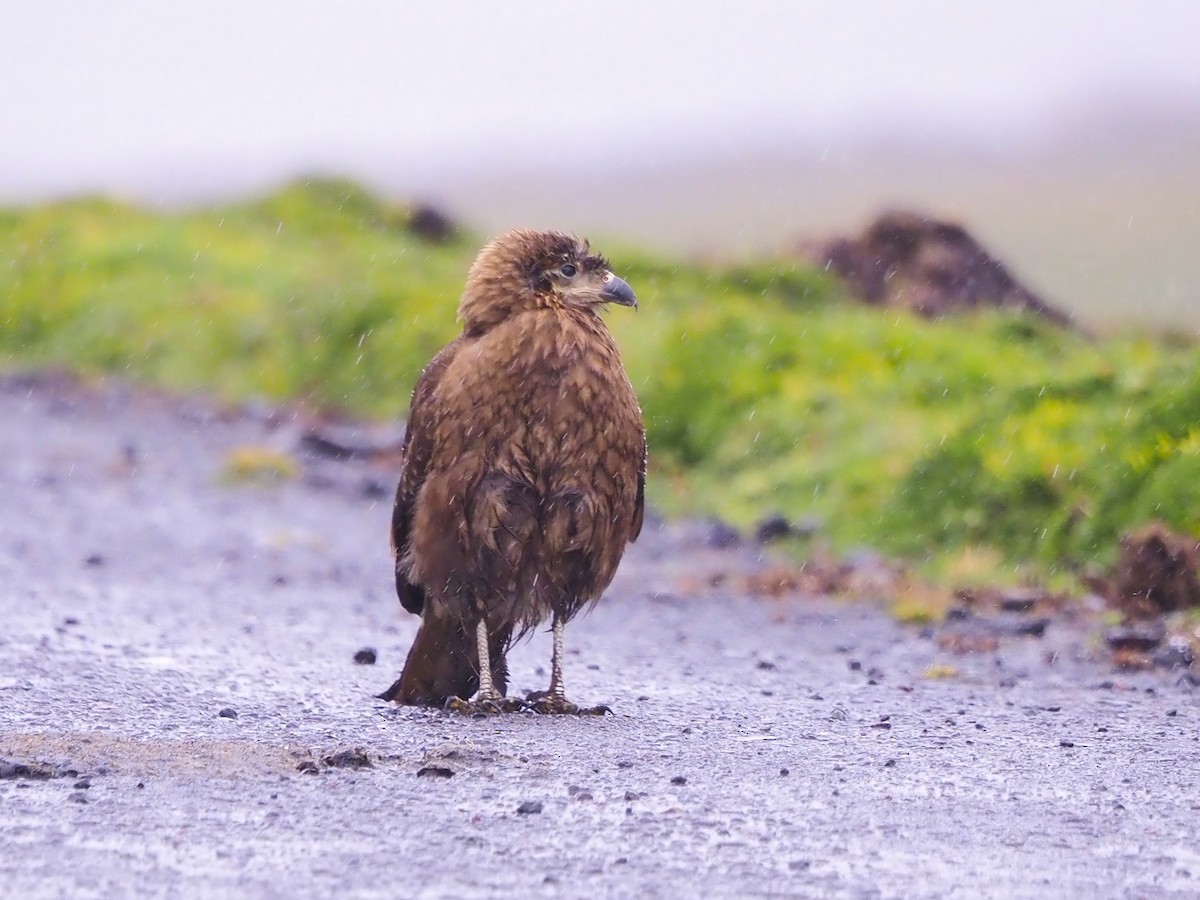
(523, 270)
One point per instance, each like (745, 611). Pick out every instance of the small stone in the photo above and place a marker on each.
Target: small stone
(529, 808)
(678, 779)
(308, 767)
(1031, 628)
(365, 657)
(765, 664)
(15, 769)
(718, 535)
(435, 772)
(785, 771)
(1137, 639)
(1019, 601)
(94, 560)
(1175, 653)
(227, 713)
(83, 784)
(348, 759)
(373, 489)
(1066, 743)
(78, 797)
(772, 528)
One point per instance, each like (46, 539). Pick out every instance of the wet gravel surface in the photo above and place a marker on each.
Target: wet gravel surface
(186, 709)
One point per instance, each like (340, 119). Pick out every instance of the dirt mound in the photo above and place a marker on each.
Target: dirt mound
(911, 260)
(1156, 572)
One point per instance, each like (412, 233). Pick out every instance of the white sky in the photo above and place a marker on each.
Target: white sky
(185, 97)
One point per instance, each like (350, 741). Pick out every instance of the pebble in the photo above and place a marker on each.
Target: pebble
(529, 808)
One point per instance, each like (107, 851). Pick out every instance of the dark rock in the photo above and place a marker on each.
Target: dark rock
(94, 560)
(228, 713)
(1030, 627)
(718, 535)
(435, 772)
(1139, 640)
(348, 759)
(365, 657)
(431, 224)
(83, 784)
(765, 665)
(1175, 653)
(933, 267)
(529, 808)
(678, 779)
(374, 489)
(78, 797)
(772, 528)
(330, 442)
(10, 768)
(308, 767)
(1018, 601)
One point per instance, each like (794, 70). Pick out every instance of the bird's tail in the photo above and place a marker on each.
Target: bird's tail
(444, 662)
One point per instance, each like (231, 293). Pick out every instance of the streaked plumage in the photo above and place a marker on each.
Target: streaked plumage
(523, 467)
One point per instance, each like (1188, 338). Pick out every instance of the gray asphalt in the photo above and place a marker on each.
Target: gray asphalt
(788, 747)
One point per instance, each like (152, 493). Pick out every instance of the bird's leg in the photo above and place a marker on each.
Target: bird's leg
(557, 690)
(555, 699)
(488, 700)
(487, 690)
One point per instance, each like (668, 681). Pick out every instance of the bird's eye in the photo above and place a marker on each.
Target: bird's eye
(568, 270)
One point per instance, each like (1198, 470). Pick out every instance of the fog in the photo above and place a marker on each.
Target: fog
(183, 99)
(689, 126)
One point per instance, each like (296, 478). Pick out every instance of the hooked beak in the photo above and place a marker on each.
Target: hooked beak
(616, 290)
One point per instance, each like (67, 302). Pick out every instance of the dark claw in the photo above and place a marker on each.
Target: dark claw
(547, 704)
(486, 707)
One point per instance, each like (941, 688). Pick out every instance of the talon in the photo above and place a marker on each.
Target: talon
(486, 706)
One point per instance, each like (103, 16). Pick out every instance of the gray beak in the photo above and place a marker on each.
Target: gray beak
(615, 290)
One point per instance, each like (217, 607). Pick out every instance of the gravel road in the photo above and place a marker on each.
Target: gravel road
(181, 712)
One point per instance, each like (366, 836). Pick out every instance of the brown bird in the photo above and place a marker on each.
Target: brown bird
(523, 471)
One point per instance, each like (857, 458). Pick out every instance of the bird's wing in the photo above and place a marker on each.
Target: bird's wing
(639, 505)
(415, 456)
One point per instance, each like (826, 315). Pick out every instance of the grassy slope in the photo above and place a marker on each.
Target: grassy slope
(762, 390)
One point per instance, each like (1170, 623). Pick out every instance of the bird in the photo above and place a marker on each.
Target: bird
(523, 473)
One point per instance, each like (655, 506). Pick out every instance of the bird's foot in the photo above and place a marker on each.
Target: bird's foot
(547, 703)
(485, 706)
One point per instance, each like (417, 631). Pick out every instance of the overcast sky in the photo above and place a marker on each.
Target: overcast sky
(145, 96)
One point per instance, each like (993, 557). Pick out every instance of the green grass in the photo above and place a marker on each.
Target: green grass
(991, 435)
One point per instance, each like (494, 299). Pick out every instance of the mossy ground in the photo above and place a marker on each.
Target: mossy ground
(989, 440)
